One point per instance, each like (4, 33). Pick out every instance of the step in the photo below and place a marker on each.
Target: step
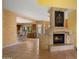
(53, 48)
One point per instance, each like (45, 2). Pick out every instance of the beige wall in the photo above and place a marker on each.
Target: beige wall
(9, 28)
(72, 26)
(59, 3)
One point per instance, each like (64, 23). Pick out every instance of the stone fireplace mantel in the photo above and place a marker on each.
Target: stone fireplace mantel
(47, 39)
(59, 29)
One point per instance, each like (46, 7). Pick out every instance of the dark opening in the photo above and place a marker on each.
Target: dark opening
(58, 38)
(59, 19)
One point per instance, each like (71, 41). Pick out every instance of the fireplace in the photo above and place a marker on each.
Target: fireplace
(58, 38)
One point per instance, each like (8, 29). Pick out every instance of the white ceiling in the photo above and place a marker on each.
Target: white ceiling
(22, 20)
(27, 8)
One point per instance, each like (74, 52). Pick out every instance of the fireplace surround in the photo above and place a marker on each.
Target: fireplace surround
(58, 31)
(58, 36)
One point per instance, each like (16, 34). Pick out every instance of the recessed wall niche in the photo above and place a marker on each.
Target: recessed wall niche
(59, 19)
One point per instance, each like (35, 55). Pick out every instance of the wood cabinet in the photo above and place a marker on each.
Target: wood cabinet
(32, 34)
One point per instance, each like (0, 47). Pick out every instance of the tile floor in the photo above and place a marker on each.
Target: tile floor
(29, 49)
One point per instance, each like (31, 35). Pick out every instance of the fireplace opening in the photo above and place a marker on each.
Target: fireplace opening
(58, 38)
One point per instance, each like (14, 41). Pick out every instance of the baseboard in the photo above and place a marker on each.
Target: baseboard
(11, 45)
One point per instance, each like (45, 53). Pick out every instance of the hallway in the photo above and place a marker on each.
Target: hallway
(29, 49)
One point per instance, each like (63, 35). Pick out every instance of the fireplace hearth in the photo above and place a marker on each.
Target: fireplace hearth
(58, 38)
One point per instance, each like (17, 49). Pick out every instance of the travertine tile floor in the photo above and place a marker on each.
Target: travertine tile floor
(29, 49)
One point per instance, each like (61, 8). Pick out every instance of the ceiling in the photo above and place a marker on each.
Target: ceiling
(32, 9)
(27, 8)
(22, 20)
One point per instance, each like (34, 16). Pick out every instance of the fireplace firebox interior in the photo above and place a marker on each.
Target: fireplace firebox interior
(58, 38)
